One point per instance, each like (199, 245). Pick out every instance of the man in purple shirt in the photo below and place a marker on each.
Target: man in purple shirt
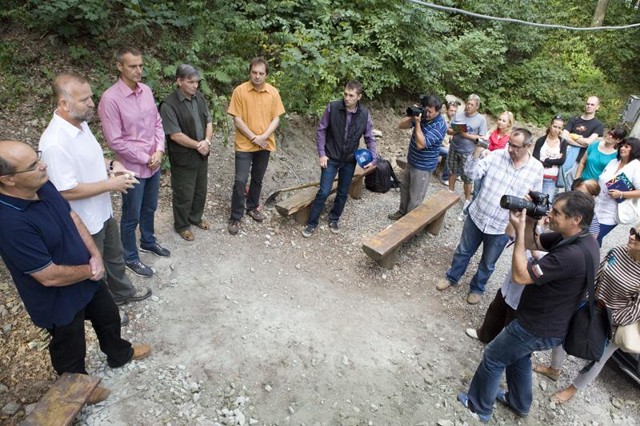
(344, 122)
(133, 129)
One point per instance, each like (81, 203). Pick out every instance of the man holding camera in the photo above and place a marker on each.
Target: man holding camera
(545, 309)
(429, 129)
(512, 171)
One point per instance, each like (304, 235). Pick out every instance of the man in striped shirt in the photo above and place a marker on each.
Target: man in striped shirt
(429, 129)
(512, 171)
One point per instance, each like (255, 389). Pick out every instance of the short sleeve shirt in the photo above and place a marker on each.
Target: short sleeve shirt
(476, 125)
(257, 109)
(34, 234)
(547, 305)
(170, 119)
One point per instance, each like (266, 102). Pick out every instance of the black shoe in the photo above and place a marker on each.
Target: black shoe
(156, 249)
(334, 227)
(139, 268)
(233, 227)
(308, 231)
(395, 216)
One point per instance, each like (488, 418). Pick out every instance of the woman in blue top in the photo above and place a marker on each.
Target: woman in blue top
(599, 154)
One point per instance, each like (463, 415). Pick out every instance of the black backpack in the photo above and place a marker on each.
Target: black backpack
(383, 177)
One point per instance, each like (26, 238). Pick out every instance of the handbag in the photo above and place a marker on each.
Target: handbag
(628, 212)
(627, 337)
(590, 327)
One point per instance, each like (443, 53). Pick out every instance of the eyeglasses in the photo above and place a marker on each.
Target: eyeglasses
(31, 168)
(634, 233)
(515, 147)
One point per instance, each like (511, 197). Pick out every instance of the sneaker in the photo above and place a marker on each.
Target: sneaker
(503, 398)
(140, 293)
(124, 319)
(445, 181)
(139, 268)
(308, 231)
(141, 351)
(98, 395)
(473, 298)
(233, 227)
(395, 216)
(464, 400)
(472, 332)
(256, 215)
(156, 249)
(334, 227)
(443, 284)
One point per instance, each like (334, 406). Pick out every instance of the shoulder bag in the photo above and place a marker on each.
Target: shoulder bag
(628, 212)
(590, 327)
(627, 337)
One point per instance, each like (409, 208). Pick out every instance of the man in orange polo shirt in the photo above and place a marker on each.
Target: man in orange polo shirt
(256, 108)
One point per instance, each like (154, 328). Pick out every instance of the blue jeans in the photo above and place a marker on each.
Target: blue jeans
(139, 207)
(510, 350)
(345, 173)
(604, 230)
(470, 240)
(256, 163)
(549, 187)
(444, 151)
(570, 166)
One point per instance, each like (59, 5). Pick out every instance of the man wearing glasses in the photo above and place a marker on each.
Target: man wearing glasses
(78, 169)
(581, 131)
(511, 171)
(56, 266)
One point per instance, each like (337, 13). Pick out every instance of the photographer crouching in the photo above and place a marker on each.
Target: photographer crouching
(424, 151)
(545, 308)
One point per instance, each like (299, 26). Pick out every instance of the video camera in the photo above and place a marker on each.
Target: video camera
(416, 110)
(537, 208)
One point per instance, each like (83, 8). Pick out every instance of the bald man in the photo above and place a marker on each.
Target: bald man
(56, 266)
(85, 178)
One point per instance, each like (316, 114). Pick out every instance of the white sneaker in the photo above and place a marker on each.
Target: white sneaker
(472, 332)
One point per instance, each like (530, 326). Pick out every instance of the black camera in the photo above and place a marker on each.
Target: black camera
(537, 208)
(414, 111)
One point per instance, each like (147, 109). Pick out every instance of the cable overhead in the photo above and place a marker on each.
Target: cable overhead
(521, 22)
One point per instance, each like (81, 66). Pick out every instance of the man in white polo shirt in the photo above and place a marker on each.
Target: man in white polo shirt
(85, 178)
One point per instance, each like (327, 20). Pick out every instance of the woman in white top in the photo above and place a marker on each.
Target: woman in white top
(627, 162)
(551, 150)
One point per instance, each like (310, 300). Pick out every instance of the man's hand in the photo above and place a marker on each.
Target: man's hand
(97, 268)
(156, 160)
(518, 219)
(323, 161)
(121, 181)
(203, 147)
(261, 141)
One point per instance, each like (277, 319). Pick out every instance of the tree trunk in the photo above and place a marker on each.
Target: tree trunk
(601, 11)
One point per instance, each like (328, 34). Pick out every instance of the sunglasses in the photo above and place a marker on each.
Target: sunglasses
(634, 233)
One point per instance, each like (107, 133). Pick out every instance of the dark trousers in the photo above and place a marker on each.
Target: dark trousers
(189, 186)
(345, 171)
(68, 346)
(498, 316)
(256, 163)
(110, 246)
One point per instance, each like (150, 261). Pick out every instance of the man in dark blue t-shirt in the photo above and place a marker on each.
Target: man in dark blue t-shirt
(56, 266)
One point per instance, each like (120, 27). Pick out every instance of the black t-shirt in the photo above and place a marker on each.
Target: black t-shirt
(559, 284)
(584, 128)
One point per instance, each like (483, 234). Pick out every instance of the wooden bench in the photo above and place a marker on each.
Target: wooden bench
(299, 204)
(63, 401)
(384, 247)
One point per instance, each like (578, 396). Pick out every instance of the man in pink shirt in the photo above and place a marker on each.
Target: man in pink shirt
(133, 129)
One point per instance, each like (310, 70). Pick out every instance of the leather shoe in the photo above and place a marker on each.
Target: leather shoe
(203, 224)
(473, 298)
(443, 284)
(140, 293)
(395, 216)
(141, 351)
(156, 249)
(186, 235)
(256, 215)
(98, 395)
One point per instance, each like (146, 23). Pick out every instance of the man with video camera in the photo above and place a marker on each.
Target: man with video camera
(545, 308)
(429, 129)
(512, 171)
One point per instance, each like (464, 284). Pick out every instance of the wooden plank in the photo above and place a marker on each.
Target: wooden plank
(63, 401)
(357, 184)
(432, 210)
